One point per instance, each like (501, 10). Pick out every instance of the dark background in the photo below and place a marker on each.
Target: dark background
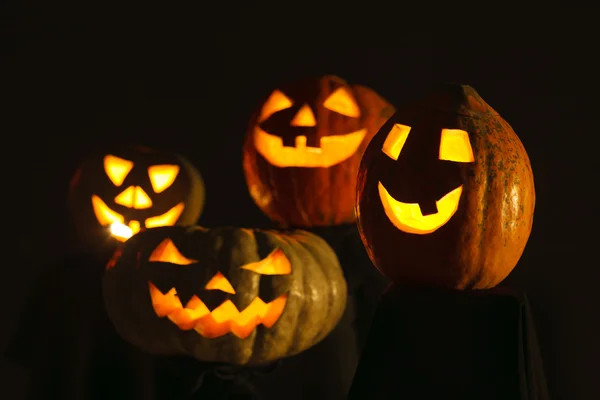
(189, 79)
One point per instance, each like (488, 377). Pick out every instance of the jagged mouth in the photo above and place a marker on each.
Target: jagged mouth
(224, 319)
(332, 150)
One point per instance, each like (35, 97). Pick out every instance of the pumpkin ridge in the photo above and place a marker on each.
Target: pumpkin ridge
(316, 253)
(304, 314)
(317, 335)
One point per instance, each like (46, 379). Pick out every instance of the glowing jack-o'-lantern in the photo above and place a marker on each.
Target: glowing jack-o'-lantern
(445, 193)
(304, 146)
(118, 192)
(229, 295)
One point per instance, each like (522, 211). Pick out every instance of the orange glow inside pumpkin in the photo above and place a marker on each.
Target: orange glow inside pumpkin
(332, 149)
(226, 318)
(167, 252)
(104, 214)
(275, 103)
(117, 169)
(167, 219)
(456, 146)
(162, 176)
(219, 282)
(122, 232)
(134, 197)
(304, 117)
(342, 102)
(408, 217)
(395, 141)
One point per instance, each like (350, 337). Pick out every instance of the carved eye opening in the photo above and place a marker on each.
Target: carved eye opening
(167, 252)
(395, 140)
(275, 103)
(276, 263)
(117, 169)
(342, 102)
(456, 146)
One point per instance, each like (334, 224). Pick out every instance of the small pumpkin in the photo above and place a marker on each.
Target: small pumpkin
(445, 193)
(230, 295)
(118, 191)
(304, 146)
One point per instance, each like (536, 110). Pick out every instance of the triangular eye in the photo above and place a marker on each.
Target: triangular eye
(342, 102)
(167, 252)
(117, 169)
(162, 176)
(276, 102)
(275, 263)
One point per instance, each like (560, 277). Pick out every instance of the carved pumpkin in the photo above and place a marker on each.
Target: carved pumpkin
(304, 146)
(445, 193)
(228, 295)
(118, 192)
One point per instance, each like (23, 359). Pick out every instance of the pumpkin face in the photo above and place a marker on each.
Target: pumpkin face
(119, 192)
(304, 146)
(445, 193)
(228, 295)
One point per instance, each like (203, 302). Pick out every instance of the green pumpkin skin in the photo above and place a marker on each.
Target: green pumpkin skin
(316, 291)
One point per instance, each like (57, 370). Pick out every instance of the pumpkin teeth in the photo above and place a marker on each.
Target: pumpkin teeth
(333, 149)
(224, 319)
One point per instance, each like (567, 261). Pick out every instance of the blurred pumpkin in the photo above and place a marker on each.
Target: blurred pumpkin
(229, 295)
(304, 146)
(445, 193)
(116, 193)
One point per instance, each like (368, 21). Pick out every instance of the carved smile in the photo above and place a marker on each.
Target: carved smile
(333, 149)
(409, 218)
(224, 319)
(106, 216)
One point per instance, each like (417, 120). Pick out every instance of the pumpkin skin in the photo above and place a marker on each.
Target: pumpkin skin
(136, 186)
(321, 191)
(483, 239)
(314, 291)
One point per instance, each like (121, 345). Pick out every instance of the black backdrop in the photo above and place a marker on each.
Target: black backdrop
(189, 79)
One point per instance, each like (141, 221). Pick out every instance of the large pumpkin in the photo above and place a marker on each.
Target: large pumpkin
(445, 193)
(304, 146)
(119, 191)
(229, 295)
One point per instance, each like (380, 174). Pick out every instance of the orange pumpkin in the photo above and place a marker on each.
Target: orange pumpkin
(121, 190)
(304, 146)
(445, 193)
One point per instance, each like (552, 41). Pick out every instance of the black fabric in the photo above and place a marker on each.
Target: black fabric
(467, 345)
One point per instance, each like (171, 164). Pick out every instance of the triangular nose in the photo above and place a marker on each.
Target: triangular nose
(134, 197)
(219, 282)
(304, 117)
